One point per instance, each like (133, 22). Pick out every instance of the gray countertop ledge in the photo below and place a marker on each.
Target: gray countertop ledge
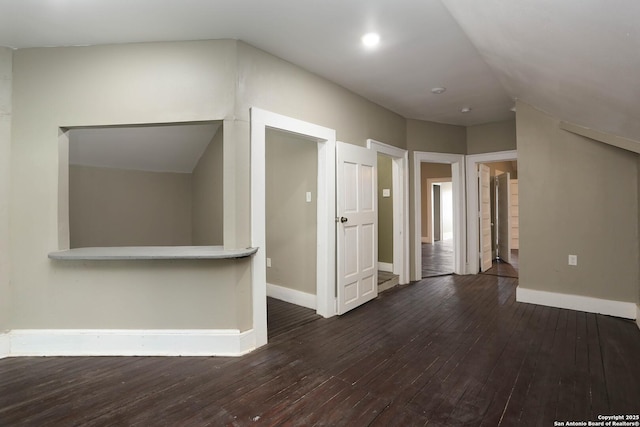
(151, 252)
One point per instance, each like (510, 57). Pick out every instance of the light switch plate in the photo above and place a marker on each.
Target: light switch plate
(308, 196)
(573, 259)
(386, 192)
(268, 262)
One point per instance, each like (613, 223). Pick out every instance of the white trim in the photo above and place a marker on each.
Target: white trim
(473, 224)
(130, 342)
(5, 345)
(326, 239)
(385, 266)
(400, 193)
(638, 315)
(459, 231)
(626, 310)
(292, 296)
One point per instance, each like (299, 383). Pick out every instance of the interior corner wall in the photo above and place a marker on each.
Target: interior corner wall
(6, 73)
(116, 207)
(577, 196)
(291, 232)
(385, 209)
(436, 137)
(278, 86)
(491, 137)
(207, 213)
(108, 85)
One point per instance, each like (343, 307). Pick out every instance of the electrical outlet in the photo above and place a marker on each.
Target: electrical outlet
(573, 259)
(386, 192)
(268, 262)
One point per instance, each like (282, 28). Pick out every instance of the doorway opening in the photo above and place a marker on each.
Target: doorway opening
(291, 229)
(493, 214)
(437, 220)
(393, 214)
(325, 138)
(386, 278)
(444, 254)
(503, 219)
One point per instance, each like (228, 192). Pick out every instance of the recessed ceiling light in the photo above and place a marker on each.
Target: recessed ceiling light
(438, 90)
(371, 39)
(465, 109)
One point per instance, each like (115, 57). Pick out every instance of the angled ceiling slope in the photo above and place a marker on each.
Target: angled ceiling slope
(579, 60)
(421, 45)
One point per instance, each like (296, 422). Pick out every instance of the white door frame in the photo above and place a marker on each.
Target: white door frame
(400, 173)
(473, 224)
(326, 238)
(457, 179)
(430, 183)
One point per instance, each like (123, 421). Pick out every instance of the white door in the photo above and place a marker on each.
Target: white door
(504, 217)
(485, 218)
(357, 226)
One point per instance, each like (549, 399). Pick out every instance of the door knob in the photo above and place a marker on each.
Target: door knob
(343, 219)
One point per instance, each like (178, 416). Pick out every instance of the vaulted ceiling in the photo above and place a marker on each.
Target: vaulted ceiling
(576, 59)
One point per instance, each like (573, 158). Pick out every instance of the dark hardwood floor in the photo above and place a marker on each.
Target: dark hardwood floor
(504, 269)
(437, 258)
(283, 317)
(452, 350)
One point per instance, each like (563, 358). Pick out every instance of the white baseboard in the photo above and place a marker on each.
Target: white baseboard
(5, 345)
(125, 342)
(385, 266)
(291, 295)
(627, 310)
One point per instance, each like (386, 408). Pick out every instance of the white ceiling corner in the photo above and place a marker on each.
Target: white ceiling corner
(576, 59)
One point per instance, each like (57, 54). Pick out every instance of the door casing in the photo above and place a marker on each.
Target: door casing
(457, 162)
(473, 224)
(326, 238)
(400, 172)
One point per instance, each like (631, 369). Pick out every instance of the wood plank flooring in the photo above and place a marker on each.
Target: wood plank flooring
(437, 258)
(503, 269)
(283, 317)
(452, 350)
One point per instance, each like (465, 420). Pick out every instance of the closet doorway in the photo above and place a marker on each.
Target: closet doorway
(493, 214)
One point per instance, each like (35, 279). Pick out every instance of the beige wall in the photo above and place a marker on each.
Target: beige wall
(429, 137)
(6, 56)
(278, 86)
(428, 171)
(106, 85)
(116, 207)
(491, 137)
(291, 171)
(436, 137)
(385, 209)
(207, 209)
(577, 196)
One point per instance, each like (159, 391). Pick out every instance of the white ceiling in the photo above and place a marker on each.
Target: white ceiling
(167, 148)
(577, 59)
